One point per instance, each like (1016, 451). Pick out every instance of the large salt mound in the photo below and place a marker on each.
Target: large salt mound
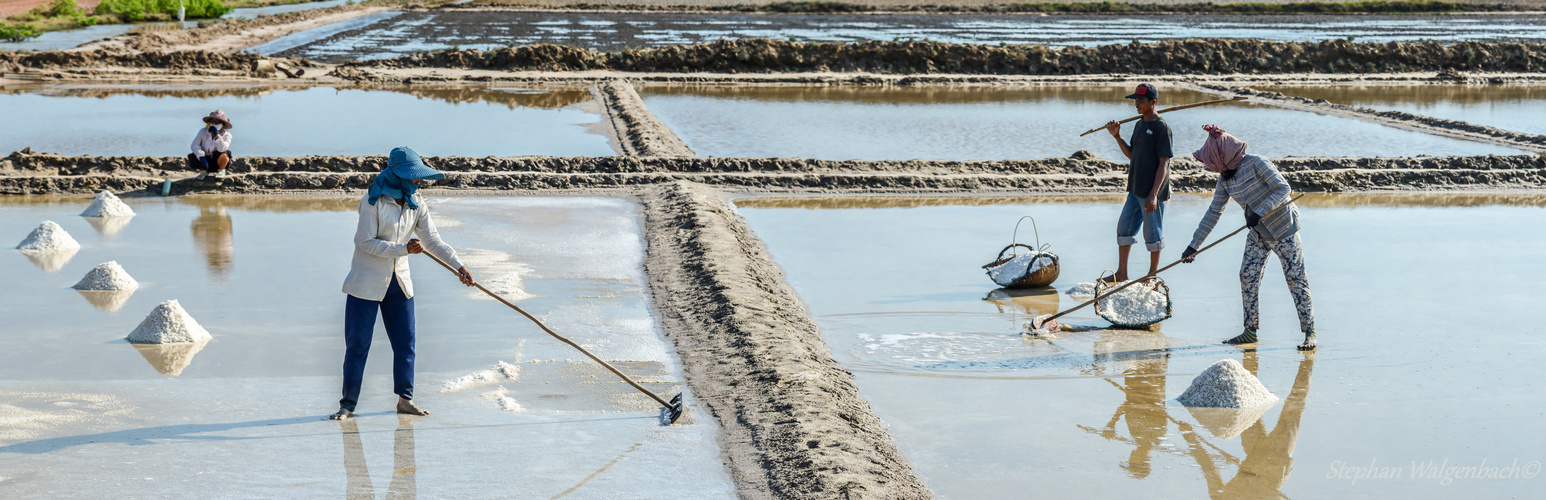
(107, 205)
(168, 324)
(48, 237)
(1226, 384)
(107, 276)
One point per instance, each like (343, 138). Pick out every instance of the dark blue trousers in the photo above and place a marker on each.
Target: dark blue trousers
(360, 325)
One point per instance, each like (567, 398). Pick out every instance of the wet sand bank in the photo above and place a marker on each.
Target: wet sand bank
(45, 174)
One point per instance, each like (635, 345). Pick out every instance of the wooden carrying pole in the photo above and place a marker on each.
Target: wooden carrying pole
(674, 406)
(1167, 110)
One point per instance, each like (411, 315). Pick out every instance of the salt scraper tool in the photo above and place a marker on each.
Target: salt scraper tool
(1049, 322)
(673, 408)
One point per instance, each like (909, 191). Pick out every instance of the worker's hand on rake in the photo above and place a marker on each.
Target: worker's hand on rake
(1189, 255)
(414, 246)
(466, 276)
(1115, 129)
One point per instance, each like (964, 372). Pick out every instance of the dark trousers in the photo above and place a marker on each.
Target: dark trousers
(210, 163)
(360, 325)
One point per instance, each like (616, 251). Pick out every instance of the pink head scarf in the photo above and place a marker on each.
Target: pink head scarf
(1222, 152)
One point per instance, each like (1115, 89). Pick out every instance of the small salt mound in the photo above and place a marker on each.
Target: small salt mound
(107, 205)
(107, 276)
(168, 324)
(1082, 291)
(1005, 274)
(1134, 305)
(501, 397)
(1226, 384)
(48, 237)
(501, 371)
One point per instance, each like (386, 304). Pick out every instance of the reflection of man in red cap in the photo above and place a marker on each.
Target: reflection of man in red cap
(1148, 180)
(212, 146)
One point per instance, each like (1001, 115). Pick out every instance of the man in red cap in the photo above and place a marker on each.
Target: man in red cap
(1148, 180)
(212, 146)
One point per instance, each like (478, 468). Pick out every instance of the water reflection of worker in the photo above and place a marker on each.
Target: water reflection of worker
(1269, 456)
(1254, 183)
(378, 278)
(212, 229)
(1143, 409)
(212, 146)
(357, 472)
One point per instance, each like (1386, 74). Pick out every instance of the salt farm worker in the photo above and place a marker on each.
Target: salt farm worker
(212, 146)
(378, 276)
(1254, 183)
(1148, 180)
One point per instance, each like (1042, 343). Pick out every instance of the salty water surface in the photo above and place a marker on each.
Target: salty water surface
(112, 120)
(84, 413)
(988, 123)
(1425, 357)
(420, 31)
(64, 39)
(1519, 108)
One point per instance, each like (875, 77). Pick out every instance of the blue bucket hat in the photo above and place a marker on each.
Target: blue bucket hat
(403, 165)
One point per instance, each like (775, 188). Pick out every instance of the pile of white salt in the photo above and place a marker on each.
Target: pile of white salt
(48, 237)
(1135, 305)
(168, 324)
(107, 205)
(1226, 384)
(107, 276)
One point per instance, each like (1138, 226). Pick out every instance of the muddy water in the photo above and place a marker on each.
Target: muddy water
(84, 413)
(983, 123)
(419, 31)
(1520, 108)
(1424, 349)
(109, 120)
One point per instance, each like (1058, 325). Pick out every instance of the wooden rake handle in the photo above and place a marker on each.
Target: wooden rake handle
(1162, 269)
(555, 335)
(1169, 109)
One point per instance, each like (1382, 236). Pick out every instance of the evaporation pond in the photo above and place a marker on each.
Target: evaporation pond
(995, 123)
(1517, 108)
(1426, 353)
(114, 120)
(85, 413)
(392, 35)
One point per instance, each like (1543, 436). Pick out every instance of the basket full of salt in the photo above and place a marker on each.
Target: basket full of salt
(1012, 269)
(1138, 306)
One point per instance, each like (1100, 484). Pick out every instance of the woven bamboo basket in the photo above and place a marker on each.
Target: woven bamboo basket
(1038, 278)
(1159, 285)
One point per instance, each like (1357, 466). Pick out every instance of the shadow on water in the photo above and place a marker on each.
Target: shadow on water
(152, 435)
(1269, 454)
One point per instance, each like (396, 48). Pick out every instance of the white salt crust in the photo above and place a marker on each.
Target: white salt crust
(501, 371)
(1226, 384)
(168, 324)
(1134, 305)
(107, 205)
(48, 237)
(501, 398)
(1005, 274)
(107, 276)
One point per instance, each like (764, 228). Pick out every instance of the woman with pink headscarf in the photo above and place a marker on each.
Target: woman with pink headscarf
(1254, 183)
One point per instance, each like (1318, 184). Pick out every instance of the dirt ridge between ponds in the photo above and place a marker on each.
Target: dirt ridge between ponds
(233, 34)
(1191, 56)
(792, 422)
(637, 129)
(32, 173)
(1454, 128)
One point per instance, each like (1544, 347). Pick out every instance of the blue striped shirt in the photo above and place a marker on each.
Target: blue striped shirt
(1257, 186)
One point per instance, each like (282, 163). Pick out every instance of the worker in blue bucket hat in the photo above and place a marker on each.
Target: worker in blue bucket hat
(390, 214)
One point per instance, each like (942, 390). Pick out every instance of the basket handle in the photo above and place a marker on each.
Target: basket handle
(1016, 238)
(1010, 247)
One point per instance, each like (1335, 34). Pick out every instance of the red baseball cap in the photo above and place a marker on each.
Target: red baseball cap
(1145, 90)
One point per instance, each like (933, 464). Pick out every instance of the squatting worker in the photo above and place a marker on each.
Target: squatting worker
(1148, 180)
(212, 146)
(1254, 183)
(378, 277)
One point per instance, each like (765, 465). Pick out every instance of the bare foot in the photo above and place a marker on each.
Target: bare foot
(1114, 279)
(343, 414)
(405, 406)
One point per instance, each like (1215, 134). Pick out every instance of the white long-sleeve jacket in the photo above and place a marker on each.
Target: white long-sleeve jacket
(204, 144)
(381, 246)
